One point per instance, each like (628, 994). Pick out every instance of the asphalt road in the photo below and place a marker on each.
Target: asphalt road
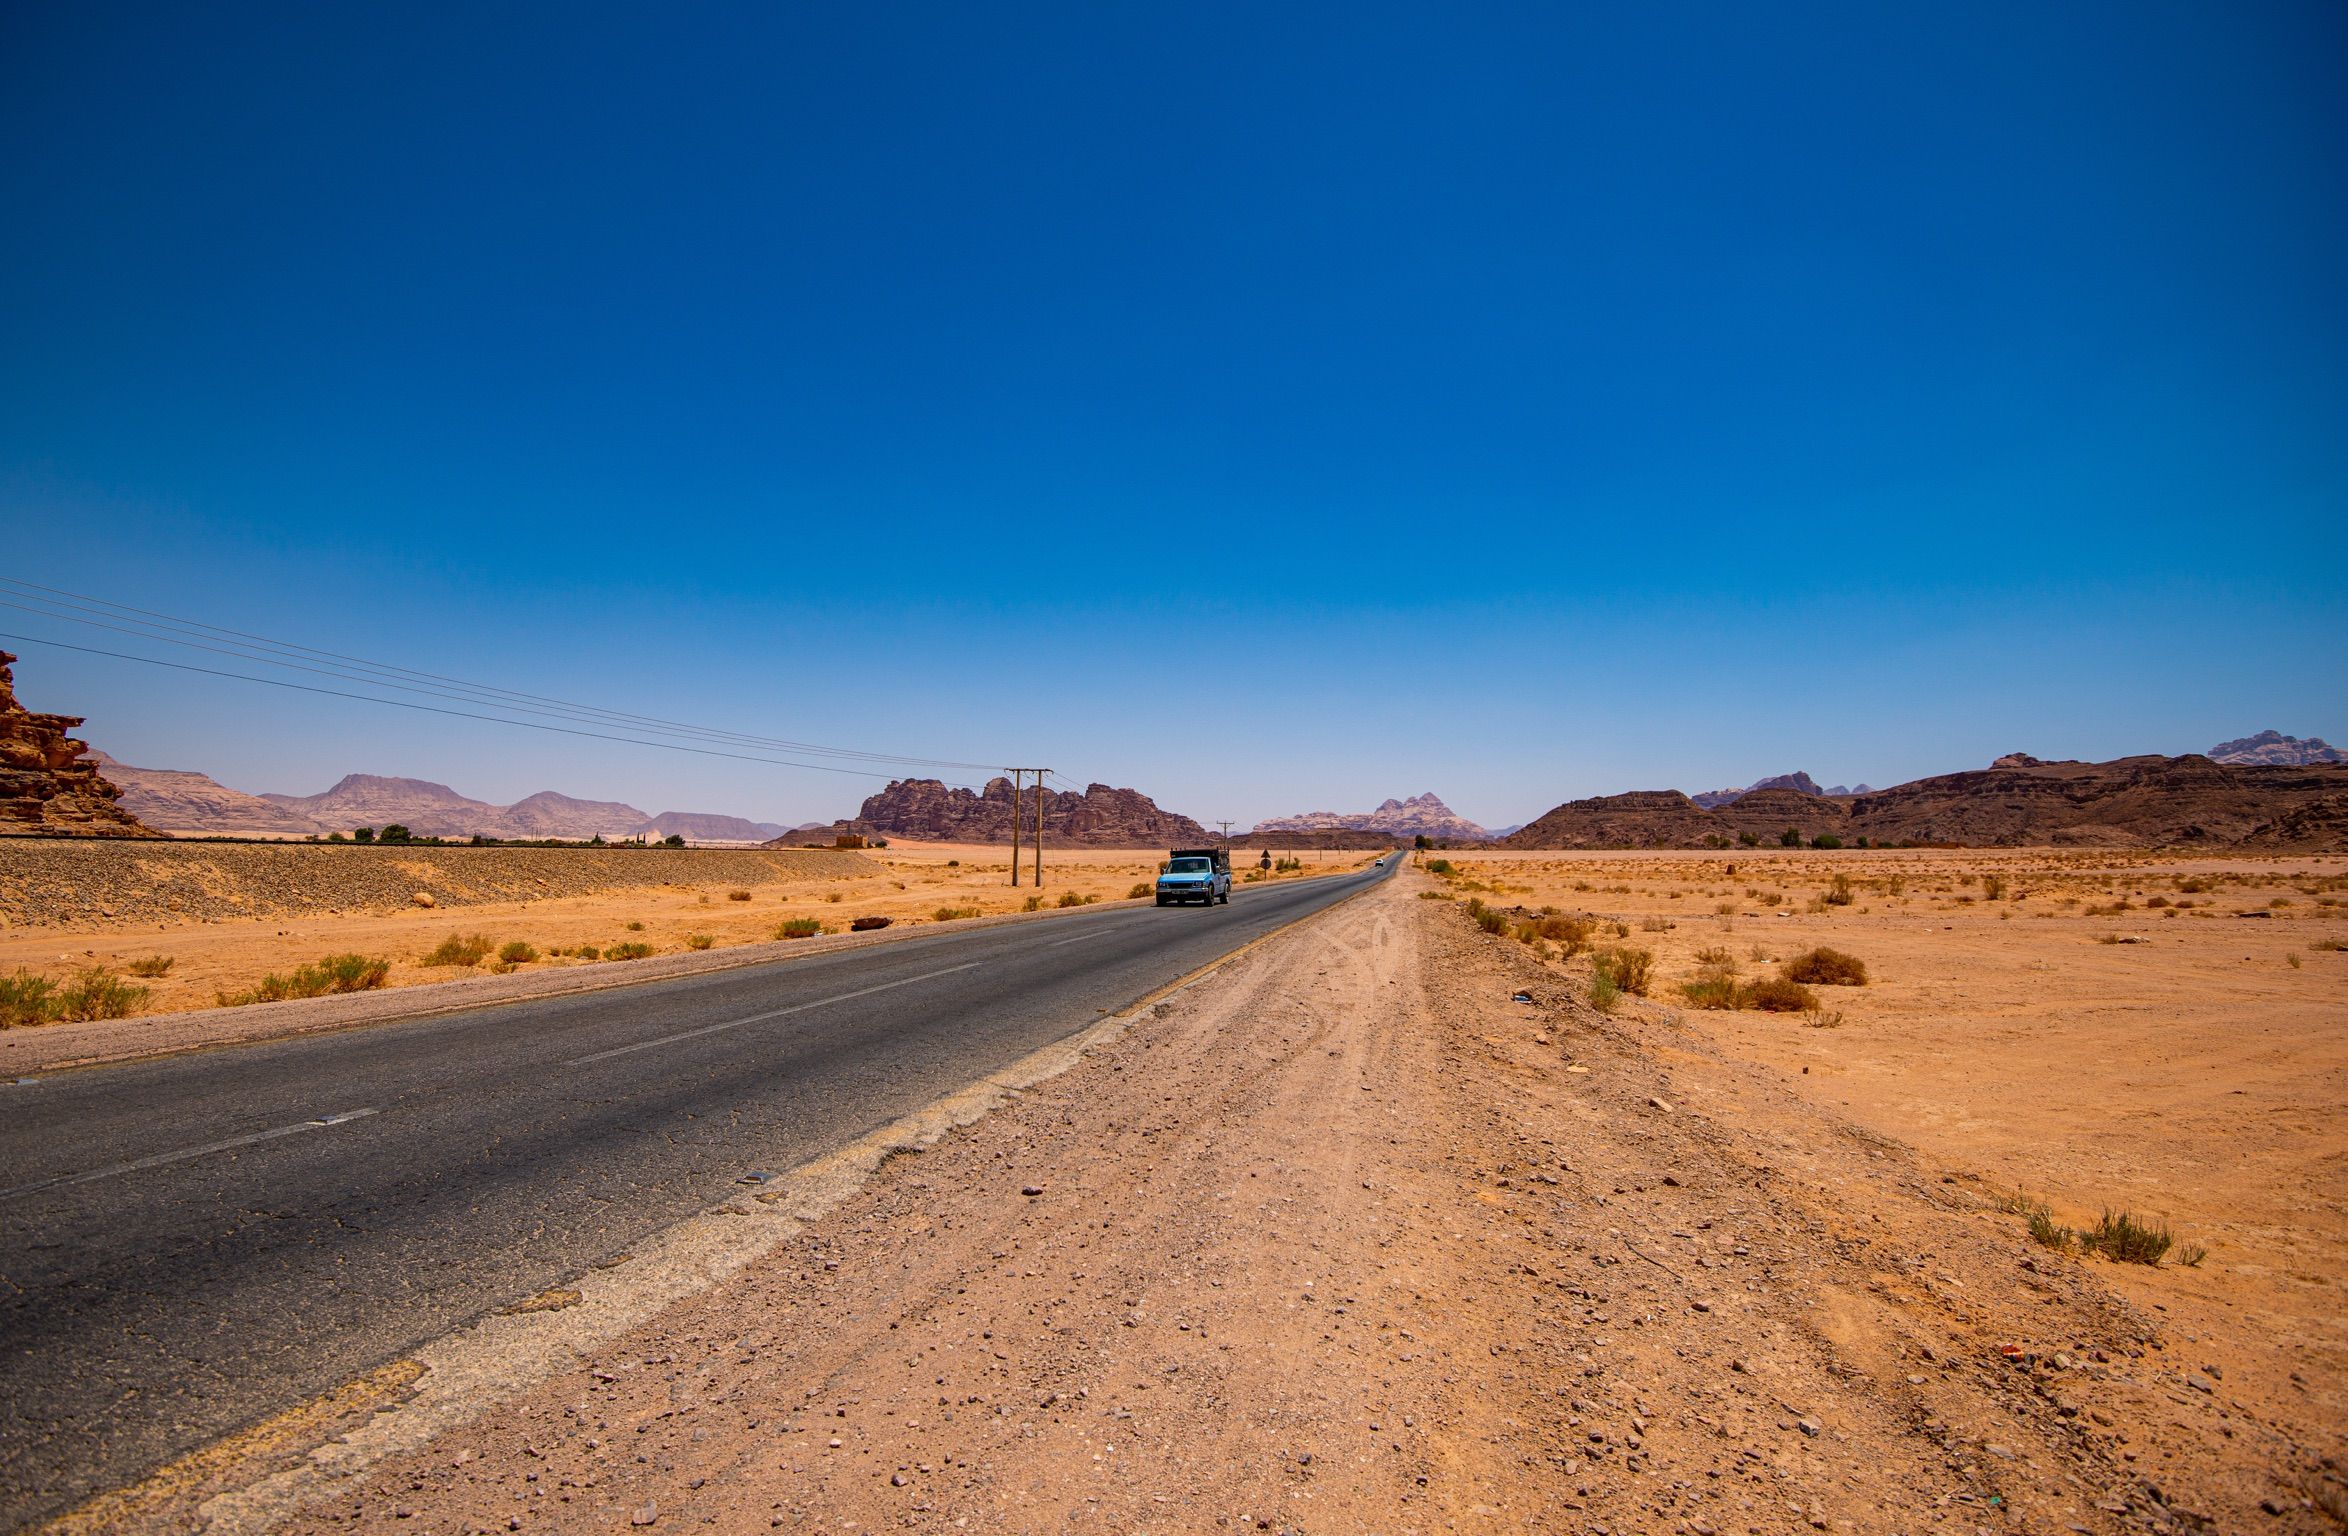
(190, 1244)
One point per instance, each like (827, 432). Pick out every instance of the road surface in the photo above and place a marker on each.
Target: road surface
(193, 1243)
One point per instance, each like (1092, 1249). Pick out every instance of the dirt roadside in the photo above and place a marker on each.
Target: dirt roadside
(1347, 1240)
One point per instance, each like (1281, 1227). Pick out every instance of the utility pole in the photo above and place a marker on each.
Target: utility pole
(1014, 827)
(1226, 826)
(1018, 816)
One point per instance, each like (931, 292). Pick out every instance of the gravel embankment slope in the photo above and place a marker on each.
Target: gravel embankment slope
(1345, 1240)
(69, 881)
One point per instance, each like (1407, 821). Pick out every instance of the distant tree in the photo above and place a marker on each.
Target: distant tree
(1749, 839)
(673, 840)
(1826, 840)
(395, 833)
(1422, 842)
(362, 834)
(1790, 838)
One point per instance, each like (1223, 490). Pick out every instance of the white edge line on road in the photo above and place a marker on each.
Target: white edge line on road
(760, 1018)
(1079, 939)
(184, 1153)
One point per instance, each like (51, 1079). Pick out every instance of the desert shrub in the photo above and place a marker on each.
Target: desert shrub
(1143, 888)
(1425, 895)
(1826, 968)
(26, 999)
(1604, 993)
(335, 973)
(517, 953)
(1440, 867)
(628, 951)
(1774, 994)
(588, 952)
(1071, 899)
(636, 927)
(2333, 946)
(1771, 898)
(1033, 904)
(836, 895)
(1725, 909)
(1288, 866)
(867, 924)
(1573, 933)
(800, 928)
(2191, 1255)
(1826, 840)
(1840, 893)
(948, 914)
(459, 949)
(150, 966)
(1789, 838)
(699, 940)
(1749, 839)
(2046, 1232)
(1629, 969)
(2122, 1237)
(1656, 925)
(737, 895)
(1490, 920)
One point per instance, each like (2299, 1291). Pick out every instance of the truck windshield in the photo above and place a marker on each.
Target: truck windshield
(1187, 867)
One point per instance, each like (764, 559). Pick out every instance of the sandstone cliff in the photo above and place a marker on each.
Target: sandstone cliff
(46, 783)
(925, 810)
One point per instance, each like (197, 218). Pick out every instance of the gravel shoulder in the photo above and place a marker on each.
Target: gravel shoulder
(1345, 1239)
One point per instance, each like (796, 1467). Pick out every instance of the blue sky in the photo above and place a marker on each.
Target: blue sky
(1270, 407)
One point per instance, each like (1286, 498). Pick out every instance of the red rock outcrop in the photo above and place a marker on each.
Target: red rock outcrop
(925, 810)
(47, 785)
(1641, 818)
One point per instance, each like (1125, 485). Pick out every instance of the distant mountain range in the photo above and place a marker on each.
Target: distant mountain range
(2019, 800)
(1799, 783)
(1420, 816)
(176, 800)
(2276, 750)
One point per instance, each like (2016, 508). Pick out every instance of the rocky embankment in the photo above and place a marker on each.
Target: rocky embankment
(47, 783)
(56, 882)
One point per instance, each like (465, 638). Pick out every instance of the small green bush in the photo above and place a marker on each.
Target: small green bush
(98, 993)
(150, 966)
(335, 973)
(1071, 899)
(26, 999)
(517, 953)
(1840, 893)
(949, 914)
(1440, 867)
(1604, 994)
(1627, 968)
(460, 949)
(1826, 968)
(636, 927)
(2122, 1237)
(1826, 840)
(1143, 888)
(799, 928)
(737, 895)
(628, 951)
(699, 940)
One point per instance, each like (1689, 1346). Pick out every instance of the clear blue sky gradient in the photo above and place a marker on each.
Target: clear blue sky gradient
(1270, 407)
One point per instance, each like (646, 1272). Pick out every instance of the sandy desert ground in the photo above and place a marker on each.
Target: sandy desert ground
(246, 913)
(1349, 1239)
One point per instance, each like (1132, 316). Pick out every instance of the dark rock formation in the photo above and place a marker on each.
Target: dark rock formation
(1641, 818)
(925, 810)
(46, 783)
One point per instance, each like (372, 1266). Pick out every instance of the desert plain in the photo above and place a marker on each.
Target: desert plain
(1401, 1221)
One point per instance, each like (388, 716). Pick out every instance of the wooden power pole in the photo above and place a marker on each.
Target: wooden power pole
(1018, 817)
(1014, 826)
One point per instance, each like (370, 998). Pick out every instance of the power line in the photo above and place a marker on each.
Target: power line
(150, 624)
(532, 725)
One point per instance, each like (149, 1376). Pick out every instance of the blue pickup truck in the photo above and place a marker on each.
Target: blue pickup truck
(1195, 874)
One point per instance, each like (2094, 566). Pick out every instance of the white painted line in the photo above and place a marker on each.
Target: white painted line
(1079, 939)
(184, 1153)
(760, 1018)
